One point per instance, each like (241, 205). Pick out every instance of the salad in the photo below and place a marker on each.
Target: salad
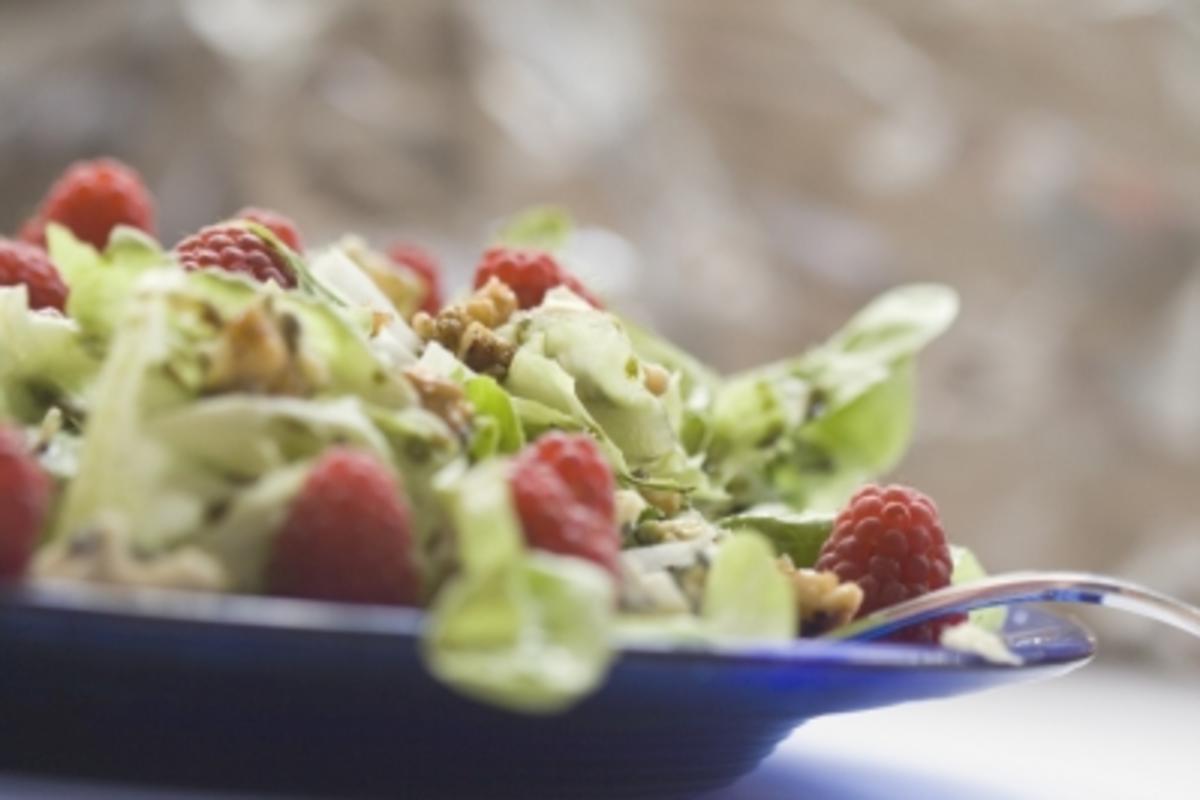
(548, 480)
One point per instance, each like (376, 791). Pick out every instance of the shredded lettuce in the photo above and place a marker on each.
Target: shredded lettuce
(102, 283)
(43, 361)
(747, 597)
(526, 630)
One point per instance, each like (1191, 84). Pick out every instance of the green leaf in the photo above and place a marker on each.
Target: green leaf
(495, 414)
(242, 538)
(244, 436)
(102, 284)
(578, 361)
(42, 359)
(123, 473)
(541, 227)
(747, 597)
(796, 534)
(808, 430)
(527, 631)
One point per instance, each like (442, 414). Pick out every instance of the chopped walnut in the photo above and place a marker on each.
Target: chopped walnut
(823, 602)
(259, 351)
(102, 554)
(467, 329)
(442, 397)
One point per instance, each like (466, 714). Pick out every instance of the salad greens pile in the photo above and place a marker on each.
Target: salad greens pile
(180, 411)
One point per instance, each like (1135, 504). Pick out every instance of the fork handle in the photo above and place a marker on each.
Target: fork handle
(1027, 587)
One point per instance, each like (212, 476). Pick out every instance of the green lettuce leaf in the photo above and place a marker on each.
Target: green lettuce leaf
(808, 430)
(497, 427)
(243, 436)
(102, 283)
(579, 362)
(542, 227)
(242, 537)
(528, 631)
(43, 361)
(124, 477)
(747, 597)
(796, 534)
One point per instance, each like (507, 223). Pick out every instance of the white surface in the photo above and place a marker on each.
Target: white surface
(1101, 732)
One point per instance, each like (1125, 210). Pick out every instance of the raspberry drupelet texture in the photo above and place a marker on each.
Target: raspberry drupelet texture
(24, 264)
(530, 273)
(348, 536)
(889, 541)
(564, 494)
(278, 224)
(234, 248)
(24, 503)
(425, 266)
(90, 199)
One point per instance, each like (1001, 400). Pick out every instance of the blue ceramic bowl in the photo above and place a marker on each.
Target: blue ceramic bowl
(269, 695)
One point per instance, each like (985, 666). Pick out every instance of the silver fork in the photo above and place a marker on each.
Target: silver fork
(1026, 587)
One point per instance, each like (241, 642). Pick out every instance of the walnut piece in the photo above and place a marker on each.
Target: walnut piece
(822, 601)
(441, 397)
(259, 351)
(101, 553)
(467, 329)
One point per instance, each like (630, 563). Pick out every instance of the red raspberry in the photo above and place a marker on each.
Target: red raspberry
(347, 536)
(22, 263)
(426, 267)
(563, 489)
(231, 247)
(91, 198)
(530, 273)
(890, 542)
(24, 503)
(278, 224)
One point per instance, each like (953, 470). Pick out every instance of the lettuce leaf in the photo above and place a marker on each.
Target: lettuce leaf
(747, 597)
(808, 430)
(497, 427)
(102, 283)
(529, 631)
(796, 534)
(243, 436)
(543, 227)
(579, 362)
(43, 361)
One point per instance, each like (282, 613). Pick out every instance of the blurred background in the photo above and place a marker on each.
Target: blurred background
(764, 169)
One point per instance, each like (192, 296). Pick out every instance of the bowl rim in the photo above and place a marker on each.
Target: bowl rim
(1062, 640)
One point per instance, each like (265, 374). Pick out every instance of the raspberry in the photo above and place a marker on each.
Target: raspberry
(22, 263)
(347, 536)
(231, 247)
(24, 503)
(91, 198)
(890, 542)
(563, 489)
(283, 227)
(529, 273)
(426, 267)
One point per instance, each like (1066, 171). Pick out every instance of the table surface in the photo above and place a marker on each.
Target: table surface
(1102, 732)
